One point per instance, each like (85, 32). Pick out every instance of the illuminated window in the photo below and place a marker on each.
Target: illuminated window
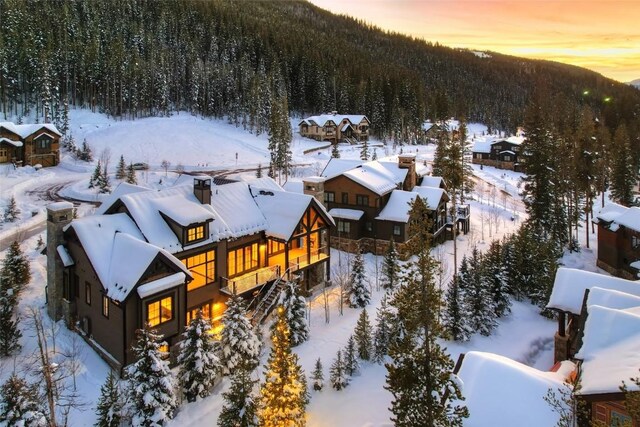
(206, 312)
(243, 259)
(87, 293)
(202, 268)
(160, 311)
(164, 350)
(195, 233)
(105, 306)
(275, 247)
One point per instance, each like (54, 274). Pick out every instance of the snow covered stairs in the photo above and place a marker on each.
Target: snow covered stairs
(268, 301)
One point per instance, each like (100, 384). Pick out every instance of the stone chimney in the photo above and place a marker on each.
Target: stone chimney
(202, 190)
(59, 214)
(314, 186)
(408, 161)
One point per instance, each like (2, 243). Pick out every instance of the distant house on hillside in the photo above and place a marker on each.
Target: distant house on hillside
(152, 258)
(619, 240)
(336, 128)
(502, 154)
(29, 144)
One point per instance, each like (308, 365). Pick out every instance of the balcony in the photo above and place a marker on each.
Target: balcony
(298, 258)
(250, 281)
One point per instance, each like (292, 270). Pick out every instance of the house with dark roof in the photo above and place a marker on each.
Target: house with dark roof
(29, 144)
(154, 258)
(502, 154)
(336, 128)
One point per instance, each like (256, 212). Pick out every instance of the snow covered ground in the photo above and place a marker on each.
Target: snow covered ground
(204, 144)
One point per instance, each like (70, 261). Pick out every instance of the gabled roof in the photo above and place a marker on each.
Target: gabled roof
(237, 209)
(498, 388)
(337, 167)
(515, 140)
(610, 349)
(570, 284)
(11, 142)
(117, 251)
(122, 189)
(610, 212)
(482, 146)
(398, 207)
(264, 183)
(432, 181)
(284, 210)
(375, 177)
(432, 195)
(630, 218)
(323, 119)
(395, 169)
(26, 130)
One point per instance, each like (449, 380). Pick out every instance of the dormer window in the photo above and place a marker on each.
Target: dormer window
(195, 233)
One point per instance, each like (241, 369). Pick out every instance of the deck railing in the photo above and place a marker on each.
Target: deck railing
(248, 282)
(305, 260)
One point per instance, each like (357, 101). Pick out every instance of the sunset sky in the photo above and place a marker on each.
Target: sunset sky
(600, 35)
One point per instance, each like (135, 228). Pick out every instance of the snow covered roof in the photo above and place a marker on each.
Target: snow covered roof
(508, 152)
(612, 299)
(482, 146)
(122, 189)
(29, 129)
(183, 214)
(162, 284)
(336, 167)
(496, 386)
(294, 186)
(422, 169)
(11, 142)
(117, 251)
(397, 208)
(65, 256)
(351, 214)
(610, 349)
(322, 119)
(630, 218)
(284, 211)
(237, 209)
(395, 169)
(264, 183)
(432, 195)
(59, 206)
(570, 284)
(610, 212)
(375, 177)
(432, 181)
(517, 140)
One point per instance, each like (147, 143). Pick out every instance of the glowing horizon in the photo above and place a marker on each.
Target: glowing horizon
(603, 36)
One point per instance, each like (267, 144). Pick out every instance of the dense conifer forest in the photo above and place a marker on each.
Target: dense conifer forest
(135, 58)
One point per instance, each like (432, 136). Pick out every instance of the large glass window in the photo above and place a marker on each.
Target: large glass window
(195, 233)
(160, 311)
(206, 312)
(202, 268)
(243, 259)
(343, 227)
(105, 306)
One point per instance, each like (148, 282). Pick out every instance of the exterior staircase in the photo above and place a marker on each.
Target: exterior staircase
(267, 302)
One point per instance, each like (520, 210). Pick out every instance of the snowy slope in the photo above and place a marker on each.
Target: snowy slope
(635, 83)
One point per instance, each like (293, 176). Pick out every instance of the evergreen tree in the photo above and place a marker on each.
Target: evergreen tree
(335, 152)
(358, 293)
(103, 181)
(11, 212)
(259, 171)
(493, 273)
(121, 172)
(240, 407)
(374, 156)
(85, 152)
(337, 374)
(283, 396)
(351, 365)
(9, 332)
(390, 267)
(131, 175)
(239, 343)
(623, 171)
(151, 390)
(94, 181)
(362, 335)
(110, 405)
(478, 303)
(280, 136)
(197, 359)
(419, 374)
(383, 332)
(318, 376)
(454, 319)
(364, 151)
(295, 312)
(15, 268)
(19, 404)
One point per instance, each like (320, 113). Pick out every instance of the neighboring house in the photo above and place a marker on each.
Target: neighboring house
(619, 240)
(29, 144)
(502, 154)
(369, 201)
(336, 128)
(431, 131)
(156, 257)
(496, 386)
(567, 299)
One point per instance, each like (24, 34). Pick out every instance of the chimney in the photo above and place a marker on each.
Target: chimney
(202, 190)
(58, 216)
(408, 161)
(314, 186)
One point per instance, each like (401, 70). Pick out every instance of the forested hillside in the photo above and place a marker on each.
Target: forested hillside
(224, 58)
